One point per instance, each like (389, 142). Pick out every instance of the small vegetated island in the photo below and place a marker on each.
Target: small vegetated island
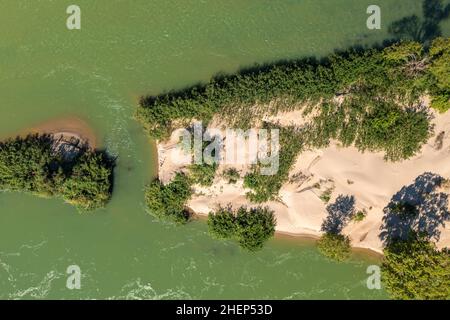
(374, 100)
(47, 166)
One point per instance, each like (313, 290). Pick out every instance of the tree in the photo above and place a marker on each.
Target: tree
(89, 184)
(251, 228)
(254, 227)
(168, 202)
(221, 224)
(439, 72)
(415, 269)
(334, 246)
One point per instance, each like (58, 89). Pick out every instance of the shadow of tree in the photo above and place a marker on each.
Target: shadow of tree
(424, 29)
(339, 213)
(417, 207)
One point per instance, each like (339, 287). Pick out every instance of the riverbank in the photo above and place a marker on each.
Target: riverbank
(319, 176)
(66, 128)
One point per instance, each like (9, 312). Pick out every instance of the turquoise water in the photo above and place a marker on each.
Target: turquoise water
(126, 49)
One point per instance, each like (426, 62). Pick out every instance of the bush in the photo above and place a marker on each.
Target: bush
(415, 269)
(441, 102)
(251, 228)
(232, 175)
(32, 164)
(202, 174)
(168, 202)
(360, 216)
(334, 246)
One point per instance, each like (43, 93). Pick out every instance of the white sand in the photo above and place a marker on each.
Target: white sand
(366, 176)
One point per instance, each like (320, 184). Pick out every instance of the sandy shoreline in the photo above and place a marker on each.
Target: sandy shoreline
(66, 128)
(343, 171)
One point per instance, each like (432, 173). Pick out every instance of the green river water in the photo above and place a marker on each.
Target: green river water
(126, 49)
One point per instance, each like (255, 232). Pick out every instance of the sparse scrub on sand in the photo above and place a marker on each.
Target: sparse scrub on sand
(266, 187)
(231, 175)
(360, 215)
(326, 195)
(203, 174)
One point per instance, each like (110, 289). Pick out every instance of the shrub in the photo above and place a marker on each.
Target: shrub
(326, 195)
(441, 102)
(334, 246)
(232, 175)
(168, 202)
(415, 269)
(251, 228)
(360, 216)
(202, 174)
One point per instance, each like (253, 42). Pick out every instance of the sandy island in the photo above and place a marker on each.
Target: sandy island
(344, 171)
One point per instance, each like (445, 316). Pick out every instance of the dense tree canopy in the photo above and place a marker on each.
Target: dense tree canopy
(33, 165)
(415, 269)
(439, 72)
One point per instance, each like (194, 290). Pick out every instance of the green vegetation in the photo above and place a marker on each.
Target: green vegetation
(33, 165)
(381, 126)
(439, 72)
(359, 216)
(334, 246)
(415, 269)
(404, 210)
(326, 195)
(202, 174)
(266, 187)
(167, 202)
(232, 175)
(400, 73)
(251, 228)
(367, 98)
